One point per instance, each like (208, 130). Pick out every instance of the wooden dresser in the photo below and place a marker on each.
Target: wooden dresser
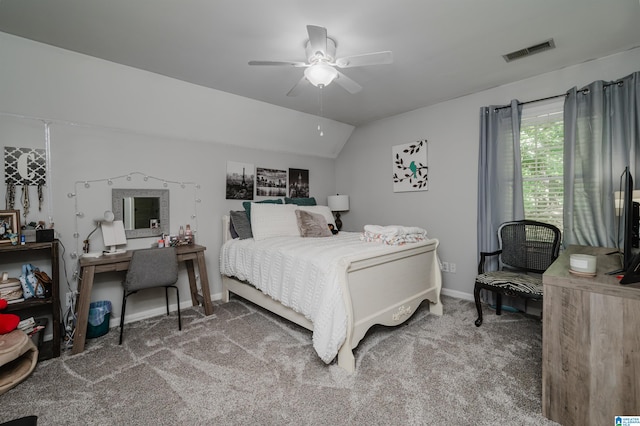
(590, 343)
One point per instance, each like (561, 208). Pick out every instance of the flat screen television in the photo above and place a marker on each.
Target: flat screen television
(628, 226)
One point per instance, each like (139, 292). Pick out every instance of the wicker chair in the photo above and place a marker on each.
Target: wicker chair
(526, 247)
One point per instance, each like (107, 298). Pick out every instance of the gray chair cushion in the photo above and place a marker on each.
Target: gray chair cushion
(156, 267)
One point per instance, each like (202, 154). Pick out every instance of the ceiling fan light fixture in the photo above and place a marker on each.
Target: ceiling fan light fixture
(320, 74)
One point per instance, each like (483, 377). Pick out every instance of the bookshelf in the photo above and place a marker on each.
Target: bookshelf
(34, 307)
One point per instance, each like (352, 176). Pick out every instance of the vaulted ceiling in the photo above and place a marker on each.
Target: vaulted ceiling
(442, 49)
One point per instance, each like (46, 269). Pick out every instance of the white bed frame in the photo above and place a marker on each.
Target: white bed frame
(384, 289)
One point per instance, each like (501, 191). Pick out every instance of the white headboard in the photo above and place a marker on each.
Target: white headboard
(226, 234)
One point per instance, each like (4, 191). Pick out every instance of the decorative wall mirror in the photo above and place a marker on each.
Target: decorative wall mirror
(145, 212)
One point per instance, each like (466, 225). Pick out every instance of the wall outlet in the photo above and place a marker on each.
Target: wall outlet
(452, 268)
(70, 298)
(445, 266)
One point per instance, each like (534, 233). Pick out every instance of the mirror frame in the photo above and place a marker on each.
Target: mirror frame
(117, 195)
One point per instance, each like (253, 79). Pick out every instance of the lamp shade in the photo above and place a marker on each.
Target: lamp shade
(320, 74)
(107, 217)
(338, 203)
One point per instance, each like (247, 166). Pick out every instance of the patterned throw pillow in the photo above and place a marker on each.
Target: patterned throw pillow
(312, 224)
(323, 210)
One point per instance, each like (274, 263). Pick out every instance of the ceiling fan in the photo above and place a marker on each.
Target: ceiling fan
(320, 68)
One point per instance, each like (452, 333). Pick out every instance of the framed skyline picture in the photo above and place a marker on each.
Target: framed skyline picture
(271, 182)
(410, 169)
(240, 178)
(298, 183)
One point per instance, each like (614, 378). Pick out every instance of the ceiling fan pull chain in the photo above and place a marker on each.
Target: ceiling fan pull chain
(320, 101)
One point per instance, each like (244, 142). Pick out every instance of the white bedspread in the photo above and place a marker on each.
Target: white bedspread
(305, 274)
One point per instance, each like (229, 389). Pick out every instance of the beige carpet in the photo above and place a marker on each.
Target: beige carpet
(245, 366)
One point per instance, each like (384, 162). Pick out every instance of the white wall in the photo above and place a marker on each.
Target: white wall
(448, 210)
(131, 120)
(136, 121)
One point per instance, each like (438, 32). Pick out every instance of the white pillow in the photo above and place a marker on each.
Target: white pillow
(323, 210)
(273, 220)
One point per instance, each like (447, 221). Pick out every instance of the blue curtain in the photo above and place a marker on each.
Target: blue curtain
(602, 129)
(499, 173)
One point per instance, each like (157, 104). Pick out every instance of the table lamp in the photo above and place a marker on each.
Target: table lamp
(338, 203)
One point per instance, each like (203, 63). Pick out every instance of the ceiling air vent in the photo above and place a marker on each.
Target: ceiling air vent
(531, 50)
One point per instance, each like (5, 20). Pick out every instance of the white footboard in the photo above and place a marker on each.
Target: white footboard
(385, 289)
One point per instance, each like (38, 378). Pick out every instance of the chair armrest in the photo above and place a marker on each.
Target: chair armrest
(483, 256)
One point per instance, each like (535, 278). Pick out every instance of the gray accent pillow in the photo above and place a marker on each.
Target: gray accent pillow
(232, 230)
(241, 224)
(312, 224)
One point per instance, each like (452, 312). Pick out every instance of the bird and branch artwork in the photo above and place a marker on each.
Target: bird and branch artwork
(410, 169)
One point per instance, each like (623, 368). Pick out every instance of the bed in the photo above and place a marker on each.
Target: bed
(383, 285)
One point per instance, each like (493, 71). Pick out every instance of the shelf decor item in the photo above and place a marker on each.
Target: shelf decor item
(9, 226)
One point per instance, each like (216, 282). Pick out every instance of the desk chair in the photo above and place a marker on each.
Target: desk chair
(526, 246)
(151, 268)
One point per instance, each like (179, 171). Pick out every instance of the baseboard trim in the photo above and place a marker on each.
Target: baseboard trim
(149, 313)
(458, 294)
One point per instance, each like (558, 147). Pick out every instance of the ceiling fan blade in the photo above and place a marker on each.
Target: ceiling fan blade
(295, 90)
(317, 39)
(348, 84)
(377, 58)
(291, 64)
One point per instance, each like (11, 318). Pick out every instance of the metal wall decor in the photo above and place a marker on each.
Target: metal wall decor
(26, 167)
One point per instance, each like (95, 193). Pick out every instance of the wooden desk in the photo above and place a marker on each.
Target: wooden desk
(590, 343)
(120, 262)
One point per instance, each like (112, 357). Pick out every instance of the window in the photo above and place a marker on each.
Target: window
(541, 146)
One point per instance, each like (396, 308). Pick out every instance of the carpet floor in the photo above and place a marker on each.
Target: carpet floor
(245, 366)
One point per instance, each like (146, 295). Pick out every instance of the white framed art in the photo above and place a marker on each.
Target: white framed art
(410, 168)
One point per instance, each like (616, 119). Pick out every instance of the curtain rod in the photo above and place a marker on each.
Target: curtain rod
(584, 91)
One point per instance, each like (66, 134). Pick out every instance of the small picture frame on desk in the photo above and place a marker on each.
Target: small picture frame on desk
(9, 226)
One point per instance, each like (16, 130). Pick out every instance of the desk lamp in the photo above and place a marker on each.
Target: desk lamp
(107, 217)
(338, 203)
(113, 235)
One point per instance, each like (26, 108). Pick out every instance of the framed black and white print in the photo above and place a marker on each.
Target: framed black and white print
(410, 169)
(271, 182)
(240, 177)
(298, 183)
